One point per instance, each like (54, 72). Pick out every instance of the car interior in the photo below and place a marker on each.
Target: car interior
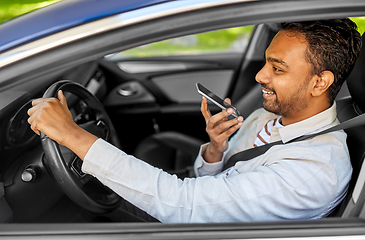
(152, 120)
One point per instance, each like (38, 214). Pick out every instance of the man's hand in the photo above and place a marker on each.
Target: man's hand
(219, 129)
(52, 117)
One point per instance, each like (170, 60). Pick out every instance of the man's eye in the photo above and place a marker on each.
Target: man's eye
(276, 69)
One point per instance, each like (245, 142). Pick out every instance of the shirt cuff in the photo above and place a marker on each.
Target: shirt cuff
(203, 168)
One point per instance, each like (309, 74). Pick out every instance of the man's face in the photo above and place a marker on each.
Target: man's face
(286, 75)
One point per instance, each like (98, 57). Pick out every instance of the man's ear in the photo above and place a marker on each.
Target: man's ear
(322, 82)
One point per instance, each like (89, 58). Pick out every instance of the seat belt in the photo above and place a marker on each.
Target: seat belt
(257, 151)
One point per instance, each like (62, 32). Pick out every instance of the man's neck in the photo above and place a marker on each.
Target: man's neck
(306, 113)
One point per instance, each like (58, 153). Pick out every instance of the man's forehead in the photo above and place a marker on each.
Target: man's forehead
(286, 47)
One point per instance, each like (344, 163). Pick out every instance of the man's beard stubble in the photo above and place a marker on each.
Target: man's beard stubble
(289, 106)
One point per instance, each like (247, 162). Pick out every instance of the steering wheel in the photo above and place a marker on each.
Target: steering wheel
(65, 167)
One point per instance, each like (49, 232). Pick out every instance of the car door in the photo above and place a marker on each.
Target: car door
(157, 81)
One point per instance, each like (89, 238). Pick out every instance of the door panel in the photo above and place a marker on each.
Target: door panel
(165, 96)
(165, 100)
(180, 87)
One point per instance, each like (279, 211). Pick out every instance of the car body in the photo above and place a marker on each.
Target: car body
(76, 40)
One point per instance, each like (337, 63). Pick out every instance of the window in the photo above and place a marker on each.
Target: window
(225, 40)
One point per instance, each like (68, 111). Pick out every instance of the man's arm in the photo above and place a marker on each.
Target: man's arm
(271, 192)
(52, 117)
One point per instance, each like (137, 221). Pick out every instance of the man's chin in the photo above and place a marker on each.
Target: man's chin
(271, 108)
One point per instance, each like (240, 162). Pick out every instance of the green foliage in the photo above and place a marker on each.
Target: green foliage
(215, 41)
(360, 21)
(13, 8)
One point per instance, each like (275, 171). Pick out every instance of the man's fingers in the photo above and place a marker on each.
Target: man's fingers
(37, 104)
(219, 117)
(224, 126)
(33, 123)
(227, 100)
(35, 113)
(229, 131)
(204, 109)
(34, 127)
(38, 101)
(62, 98)
(225, 134)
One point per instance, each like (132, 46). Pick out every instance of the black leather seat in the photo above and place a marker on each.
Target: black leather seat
(175, 152)
(348, 108)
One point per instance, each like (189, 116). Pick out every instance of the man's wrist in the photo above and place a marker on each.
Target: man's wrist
(211, 155)
(79, 141)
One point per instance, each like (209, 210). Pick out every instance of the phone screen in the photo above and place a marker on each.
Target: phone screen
(215, 99)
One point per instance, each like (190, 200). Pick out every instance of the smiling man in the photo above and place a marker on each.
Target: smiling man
(306, 64)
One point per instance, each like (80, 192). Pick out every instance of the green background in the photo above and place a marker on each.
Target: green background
(12, 8)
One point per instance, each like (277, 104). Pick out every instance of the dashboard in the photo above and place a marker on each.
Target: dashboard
(14, 104)
(18, 132)
(20, 147)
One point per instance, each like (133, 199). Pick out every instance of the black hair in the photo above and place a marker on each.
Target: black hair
(333, 45)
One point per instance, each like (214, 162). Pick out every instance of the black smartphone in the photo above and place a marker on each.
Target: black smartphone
(216, 100)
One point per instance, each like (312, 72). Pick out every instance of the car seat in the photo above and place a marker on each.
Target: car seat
(175, 152)
(347, 108)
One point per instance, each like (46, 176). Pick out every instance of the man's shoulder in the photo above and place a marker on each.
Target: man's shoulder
(261, 113)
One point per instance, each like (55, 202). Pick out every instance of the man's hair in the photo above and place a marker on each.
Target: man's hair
(333, 45)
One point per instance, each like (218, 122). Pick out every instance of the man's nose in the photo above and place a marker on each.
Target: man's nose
(262, 76)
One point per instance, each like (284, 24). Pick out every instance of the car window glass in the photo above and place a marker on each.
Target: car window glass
(225, 40)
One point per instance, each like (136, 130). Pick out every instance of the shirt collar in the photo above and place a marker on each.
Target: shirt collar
(308, 126)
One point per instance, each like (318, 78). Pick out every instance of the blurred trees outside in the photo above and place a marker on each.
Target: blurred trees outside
(13, 8)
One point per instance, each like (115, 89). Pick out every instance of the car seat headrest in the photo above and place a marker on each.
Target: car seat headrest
(356, 80)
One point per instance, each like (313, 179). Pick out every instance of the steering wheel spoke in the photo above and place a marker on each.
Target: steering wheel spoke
(76, 165)
(67, 154)
(97, 127)
(85, 179)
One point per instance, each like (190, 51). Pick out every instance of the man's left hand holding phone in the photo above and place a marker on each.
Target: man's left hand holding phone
(219, 129)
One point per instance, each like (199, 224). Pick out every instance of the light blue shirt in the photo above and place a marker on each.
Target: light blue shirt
(301, 180)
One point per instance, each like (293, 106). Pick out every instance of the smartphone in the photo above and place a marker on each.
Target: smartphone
(216, 100)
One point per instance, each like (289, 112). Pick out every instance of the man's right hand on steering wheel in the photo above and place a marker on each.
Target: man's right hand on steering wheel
(52, 117)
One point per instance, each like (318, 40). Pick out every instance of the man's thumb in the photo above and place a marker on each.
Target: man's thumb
(62, 98)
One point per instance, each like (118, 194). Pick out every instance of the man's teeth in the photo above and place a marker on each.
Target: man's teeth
(267, 92)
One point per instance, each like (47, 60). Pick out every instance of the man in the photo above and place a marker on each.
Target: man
(306, 64)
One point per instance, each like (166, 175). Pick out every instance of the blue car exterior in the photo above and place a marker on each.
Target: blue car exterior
(63, 15)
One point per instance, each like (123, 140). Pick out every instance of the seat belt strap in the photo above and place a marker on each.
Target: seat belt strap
(254, 152)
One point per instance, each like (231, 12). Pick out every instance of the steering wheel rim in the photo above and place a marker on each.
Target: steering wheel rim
(101, 199)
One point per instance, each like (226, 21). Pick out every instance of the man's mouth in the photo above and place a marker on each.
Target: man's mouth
(267, 92)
